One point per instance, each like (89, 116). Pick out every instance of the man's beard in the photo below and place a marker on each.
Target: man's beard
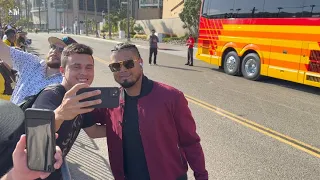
(126, 84)
(54, 65)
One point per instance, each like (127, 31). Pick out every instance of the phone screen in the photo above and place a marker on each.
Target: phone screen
(40, 140)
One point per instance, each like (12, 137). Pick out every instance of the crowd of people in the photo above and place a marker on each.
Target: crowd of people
(14, 36)
(151, 135)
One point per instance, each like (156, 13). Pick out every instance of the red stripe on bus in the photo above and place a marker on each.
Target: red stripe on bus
(271, 21)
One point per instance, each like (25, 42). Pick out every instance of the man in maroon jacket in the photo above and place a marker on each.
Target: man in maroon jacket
(152, 134)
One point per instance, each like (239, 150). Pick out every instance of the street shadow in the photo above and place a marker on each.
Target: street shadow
(178, 68)
(84, 161)
(280, 82)
(207, 67)
(168, 49)
(290, 85)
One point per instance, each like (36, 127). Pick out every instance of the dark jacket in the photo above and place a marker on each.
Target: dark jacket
(168, 133)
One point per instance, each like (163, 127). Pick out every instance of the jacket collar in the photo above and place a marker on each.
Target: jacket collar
(146, 89)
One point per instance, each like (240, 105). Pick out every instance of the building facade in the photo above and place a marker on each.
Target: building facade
(71, 14)
(172, 8)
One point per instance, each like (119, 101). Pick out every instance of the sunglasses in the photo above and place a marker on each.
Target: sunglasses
(54, 47)
(116, 67)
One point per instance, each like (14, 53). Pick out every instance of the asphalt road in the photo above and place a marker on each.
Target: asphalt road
(250, 130)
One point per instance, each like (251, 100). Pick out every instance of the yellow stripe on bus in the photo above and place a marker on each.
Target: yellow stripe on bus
(271, 28)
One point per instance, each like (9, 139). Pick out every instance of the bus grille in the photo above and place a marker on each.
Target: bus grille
(313, 78)
(314, 64)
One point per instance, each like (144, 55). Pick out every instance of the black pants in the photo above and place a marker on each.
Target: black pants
(153, 51)
(190, 56)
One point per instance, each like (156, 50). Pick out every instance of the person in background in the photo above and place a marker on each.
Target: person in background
(21, 40)
(7, 81)
(11, 37)
(153, 42)
(8, 125)
(34, 73)
(190, 44)
(152, 134)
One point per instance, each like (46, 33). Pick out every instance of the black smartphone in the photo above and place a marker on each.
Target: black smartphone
(41, 140)
(109, 96)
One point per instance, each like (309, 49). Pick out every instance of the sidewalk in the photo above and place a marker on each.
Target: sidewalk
(176, 50)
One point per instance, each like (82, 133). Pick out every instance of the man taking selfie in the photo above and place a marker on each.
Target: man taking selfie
(77, 69)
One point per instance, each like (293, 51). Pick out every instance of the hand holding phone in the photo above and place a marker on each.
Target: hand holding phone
(41, 139)
(72, 104)
(21, 170)
(109, 96)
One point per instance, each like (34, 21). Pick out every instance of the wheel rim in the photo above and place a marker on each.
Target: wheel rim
(251, 67)
(231, 63)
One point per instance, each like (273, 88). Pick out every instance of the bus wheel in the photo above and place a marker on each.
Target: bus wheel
(231, 63)
(250, 67)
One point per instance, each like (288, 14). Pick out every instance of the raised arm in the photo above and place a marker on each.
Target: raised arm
(17, 59)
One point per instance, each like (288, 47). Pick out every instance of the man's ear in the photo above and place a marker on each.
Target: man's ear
(62, 71)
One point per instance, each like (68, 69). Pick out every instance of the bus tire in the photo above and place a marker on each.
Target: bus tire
(231, 63)
(250, 67)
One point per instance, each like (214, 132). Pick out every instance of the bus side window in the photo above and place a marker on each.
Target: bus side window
(283, 8)
(218, 9)
(248, 8)
(311, 8)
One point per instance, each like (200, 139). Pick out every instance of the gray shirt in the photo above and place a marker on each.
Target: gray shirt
(153, 41)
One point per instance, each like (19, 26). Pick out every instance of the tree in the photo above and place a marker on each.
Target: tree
(190, 15)
(5, 7)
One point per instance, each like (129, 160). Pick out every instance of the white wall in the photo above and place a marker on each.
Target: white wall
(168, 26)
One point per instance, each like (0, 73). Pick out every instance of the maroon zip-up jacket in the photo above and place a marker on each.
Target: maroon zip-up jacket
(168, 133)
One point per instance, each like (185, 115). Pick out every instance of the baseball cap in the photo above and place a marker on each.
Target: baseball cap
(65, 40)
(11, 118)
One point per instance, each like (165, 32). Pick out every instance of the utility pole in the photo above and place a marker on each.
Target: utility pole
(47, 14)
(40, 2)
(109, 20)
(27, 16)
(56, 8)
(95, 17)
(86, 6)
(128, 20)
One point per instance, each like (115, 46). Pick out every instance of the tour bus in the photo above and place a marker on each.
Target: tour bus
(254, 38)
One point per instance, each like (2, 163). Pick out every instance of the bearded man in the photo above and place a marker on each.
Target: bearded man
(34, 73)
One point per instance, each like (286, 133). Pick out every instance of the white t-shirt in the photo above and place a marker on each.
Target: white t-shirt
(32, 75)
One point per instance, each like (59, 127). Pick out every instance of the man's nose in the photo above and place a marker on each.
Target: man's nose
(83, 71)
(123, 68)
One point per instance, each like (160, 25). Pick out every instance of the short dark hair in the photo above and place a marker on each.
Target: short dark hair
(126, 46)
(10, 32)
(74, 49)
